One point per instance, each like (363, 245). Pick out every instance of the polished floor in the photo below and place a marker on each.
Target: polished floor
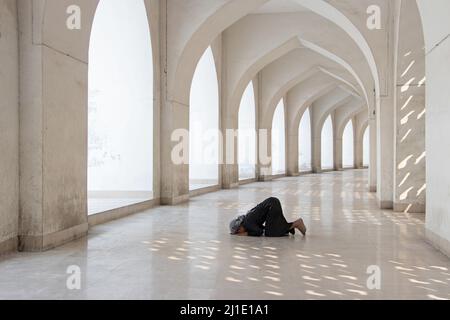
(99, 202)
(185, 252)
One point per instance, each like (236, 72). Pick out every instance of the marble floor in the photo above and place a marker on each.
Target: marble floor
(185, 252)
(99, 202)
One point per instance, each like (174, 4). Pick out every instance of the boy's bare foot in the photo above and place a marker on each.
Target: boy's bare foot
(300, 225)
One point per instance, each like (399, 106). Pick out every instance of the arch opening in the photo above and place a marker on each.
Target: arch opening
(204, 135)
(327, 145)
(366, 148)
(348, 146)
(279, 140)
(247, 135)
(120, 107)
(304, 143)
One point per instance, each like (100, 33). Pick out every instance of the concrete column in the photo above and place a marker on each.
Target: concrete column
(385, 120)
(265, 154)
(229, 121)
(337, 145)
(409, 169)
(292, 154)
(355, 144)
(316, 138)
(338, 155)
(174, 116)
(359, 153)
(316, 154)
(359, 143)
(385, 170)
(9, 127)
(264, 137)
(257, 91)
(174, 176)
(292, 165)
(228, 170)
(53, 136)
(230, 166)
(373, 141)
(338, 149)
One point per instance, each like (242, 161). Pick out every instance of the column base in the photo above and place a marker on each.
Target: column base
(172, 201)
(45, 242)
(228, 186)
(248, 181)
(438, 242)
(385, 205)
(411, 208)
(278, 176)
(8, 246)
(293, 174)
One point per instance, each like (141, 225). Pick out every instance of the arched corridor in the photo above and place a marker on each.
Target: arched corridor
(132, 132)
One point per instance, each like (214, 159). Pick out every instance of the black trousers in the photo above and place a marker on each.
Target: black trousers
(268, 217)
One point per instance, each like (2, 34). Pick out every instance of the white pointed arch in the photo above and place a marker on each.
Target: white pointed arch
(327, 144)
(305, 142)
(279, 140)
(348, 146)
(121, 76)
(204, 140)
(247, 134)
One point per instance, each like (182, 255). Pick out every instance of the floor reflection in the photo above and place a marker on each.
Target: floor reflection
(185, 252)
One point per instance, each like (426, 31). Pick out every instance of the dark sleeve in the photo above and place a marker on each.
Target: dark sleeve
(256, 233)
(253, 230)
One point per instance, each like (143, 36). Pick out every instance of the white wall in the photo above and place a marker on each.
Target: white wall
(247, 134)
(204, 124)
(436, 25)
(120, 99)
(279, 140)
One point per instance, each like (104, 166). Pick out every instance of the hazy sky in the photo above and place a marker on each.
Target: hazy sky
(120, 98)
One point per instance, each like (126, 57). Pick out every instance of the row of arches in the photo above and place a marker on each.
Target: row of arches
(121, 108)
(121, 113)
(121, 135)
(295, 61)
